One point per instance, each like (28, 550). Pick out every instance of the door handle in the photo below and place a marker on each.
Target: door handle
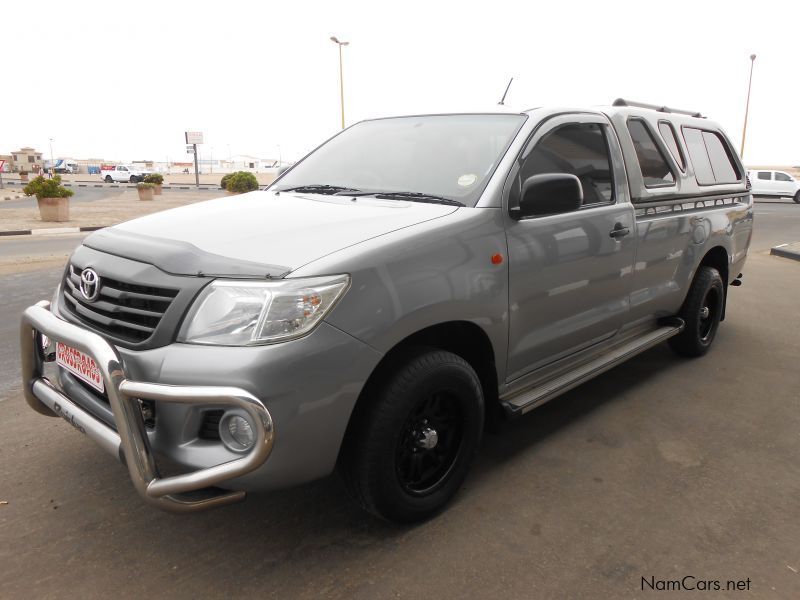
(619, 231)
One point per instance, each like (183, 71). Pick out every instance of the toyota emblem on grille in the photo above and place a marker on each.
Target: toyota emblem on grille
(90, 285)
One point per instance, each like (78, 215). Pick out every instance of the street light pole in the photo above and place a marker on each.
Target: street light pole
(747, 106)
(335, 40)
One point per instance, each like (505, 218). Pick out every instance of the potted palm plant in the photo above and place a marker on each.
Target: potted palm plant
(241, 182)
(23, 174)
(51, 196)
(157, 179)
(146, 190)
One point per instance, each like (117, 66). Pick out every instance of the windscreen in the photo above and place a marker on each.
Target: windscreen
(451, 156)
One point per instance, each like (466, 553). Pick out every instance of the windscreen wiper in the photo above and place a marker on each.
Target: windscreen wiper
(419, 197)
(318, 188)
(412, 196)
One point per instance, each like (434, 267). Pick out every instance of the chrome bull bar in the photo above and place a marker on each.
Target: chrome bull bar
(129, 443)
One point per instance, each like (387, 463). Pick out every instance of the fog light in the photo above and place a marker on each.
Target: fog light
(236, 432)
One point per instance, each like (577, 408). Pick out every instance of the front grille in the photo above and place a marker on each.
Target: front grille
(126, 311)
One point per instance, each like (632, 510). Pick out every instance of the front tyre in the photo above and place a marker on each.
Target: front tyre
(413, 438)
(797, 197)
(701, 313)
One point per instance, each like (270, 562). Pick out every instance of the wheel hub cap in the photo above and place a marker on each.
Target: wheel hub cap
(428, 438)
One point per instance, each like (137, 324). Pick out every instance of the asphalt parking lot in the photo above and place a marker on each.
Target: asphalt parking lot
(661, 468)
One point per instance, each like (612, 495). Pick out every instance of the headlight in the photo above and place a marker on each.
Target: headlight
(246, 313)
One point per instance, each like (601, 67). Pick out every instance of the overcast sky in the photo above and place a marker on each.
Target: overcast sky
(123, 80)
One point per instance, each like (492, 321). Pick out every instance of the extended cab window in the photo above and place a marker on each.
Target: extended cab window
(655, 169)
(668, 133)
(765, 175)
(711, 159)
(580, 149)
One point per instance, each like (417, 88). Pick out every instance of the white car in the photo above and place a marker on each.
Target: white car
(774, 183)
(124, 174)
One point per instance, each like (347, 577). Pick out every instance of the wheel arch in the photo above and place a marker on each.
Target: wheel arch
(463, 338)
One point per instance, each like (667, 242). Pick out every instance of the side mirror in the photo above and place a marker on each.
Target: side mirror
(549, 194)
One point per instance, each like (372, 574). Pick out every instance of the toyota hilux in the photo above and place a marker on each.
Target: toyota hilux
(404, 283)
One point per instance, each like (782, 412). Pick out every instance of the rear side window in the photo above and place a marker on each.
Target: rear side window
(711, 158)
(765, 175)
(668, 133)
(782, 177)
(654, 166)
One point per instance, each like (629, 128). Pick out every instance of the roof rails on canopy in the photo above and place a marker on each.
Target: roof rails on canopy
(664, 109)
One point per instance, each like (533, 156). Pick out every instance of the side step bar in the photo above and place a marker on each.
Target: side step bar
(528, 399)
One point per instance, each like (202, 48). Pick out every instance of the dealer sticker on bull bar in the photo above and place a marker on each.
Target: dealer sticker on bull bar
(79, 364)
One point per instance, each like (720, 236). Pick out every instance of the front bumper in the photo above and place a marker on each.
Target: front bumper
(130, 442)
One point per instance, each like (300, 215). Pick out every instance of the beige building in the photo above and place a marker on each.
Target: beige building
(26, 158)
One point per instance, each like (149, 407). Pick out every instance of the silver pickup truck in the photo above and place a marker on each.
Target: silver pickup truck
(405, 282)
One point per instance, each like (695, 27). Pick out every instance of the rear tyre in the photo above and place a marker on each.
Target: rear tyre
(701, 313)
(108, 179)
(797, 197)
(409, 447)
(134, 179)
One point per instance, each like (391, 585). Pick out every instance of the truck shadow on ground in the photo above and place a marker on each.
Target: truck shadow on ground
(577, 404)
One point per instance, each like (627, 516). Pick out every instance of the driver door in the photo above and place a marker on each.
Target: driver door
(569, 273)
(784, 185)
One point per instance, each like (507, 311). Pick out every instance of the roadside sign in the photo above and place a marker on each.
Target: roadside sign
(2, 162)
(194, 137)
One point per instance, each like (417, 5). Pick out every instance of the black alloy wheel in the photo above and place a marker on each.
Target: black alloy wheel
(429, 443)
(701, 313)
(709, 317)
